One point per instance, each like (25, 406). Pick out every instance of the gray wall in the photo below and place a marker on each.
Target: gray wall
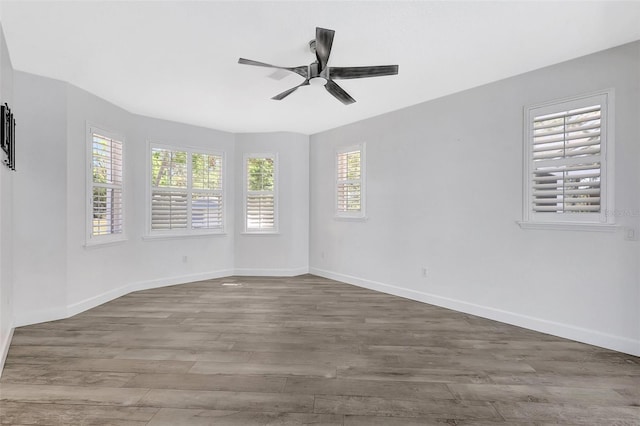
(445, 191)
(40, 194)
(6, 216)
(286, 252)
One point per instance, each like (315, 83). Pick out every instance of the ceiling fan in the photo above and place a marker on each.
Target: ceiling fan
(320, 73)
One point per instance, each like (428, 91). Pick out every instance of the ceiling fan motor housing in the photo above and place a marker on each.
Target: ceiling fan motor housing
(314, 70)
(317, 77)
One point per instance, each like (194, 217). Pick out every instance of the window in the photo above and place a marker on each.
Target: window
(106, 210)
(567, 177)
(186, 191)
(260, 171)
(350, 180)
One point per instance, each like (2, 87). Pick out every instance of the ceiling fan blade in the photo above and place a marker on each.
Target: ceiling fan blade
(302, 70)
(324, 40)
(256, 63)
(362, 72)
(338, 92)
(286, 93)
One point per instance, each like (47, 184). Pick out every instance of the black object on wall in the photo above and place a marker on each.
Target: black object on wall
(8, 136)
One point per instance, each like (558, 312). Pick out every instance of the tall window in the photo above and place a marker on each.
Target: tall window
(350, 173)
(186, 191)
(260, 172)
(566, 173)
(106, 215)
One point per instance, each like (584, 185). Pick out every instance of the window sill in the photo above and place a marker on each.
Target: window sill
(351, 218)
(265, 234)
(569, 226)
(91, 244)
(182, 236)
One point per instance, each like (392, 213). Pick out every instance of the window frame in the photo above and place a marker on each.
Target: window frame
(600, 221)
(360, 214)
(189, 231)
(98, 240)
(245, 193)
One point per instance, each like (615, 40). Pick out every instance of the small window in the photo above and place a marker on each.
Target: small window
(186, 191)
(106, 187)
(567, 176)
(350, 182)
(261, 215)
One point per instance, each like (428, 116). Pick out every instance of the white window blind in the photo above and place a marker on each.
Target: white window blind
(567, 161)
(349, 182)
(206, 193)
(106, 186)
(186, 190)
(260, 194)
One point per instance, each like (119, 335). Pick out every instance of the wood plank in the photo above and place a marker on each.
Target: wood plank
(18, 413)
(222, 400)
(197, 417)
(221, 382)
(91, 395)
(364, 405)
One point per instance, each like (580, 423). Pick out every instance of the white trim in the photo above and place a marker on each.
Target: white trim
(567, 331)
(92, 302)
(268, 272)
(361, 214)
(188, 232)
(4, 348)
(181, 233)
(72, 309)
(276, 184)
(180, 236)
(62, 312)
(569, 226)
(98, 240)
(351, 218)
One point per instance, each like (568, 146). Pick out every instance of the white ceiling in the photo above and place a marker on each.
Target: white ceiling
(178, 60)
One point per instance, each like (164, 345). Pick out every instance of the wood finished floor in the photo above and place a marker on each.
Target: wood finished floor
(300, 351)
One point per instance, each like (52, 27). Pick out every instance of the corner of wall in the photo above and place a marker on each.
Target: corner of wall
(4, 347)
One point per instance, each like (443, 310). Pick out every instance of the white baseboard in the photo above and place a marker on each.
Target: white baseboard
(4, 348)
(98, 300)
(53, 314)
(256, 272)
(592, 337)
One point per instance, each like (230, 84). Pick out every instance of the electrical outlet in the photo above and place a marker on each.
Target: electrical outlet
(630, 234)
